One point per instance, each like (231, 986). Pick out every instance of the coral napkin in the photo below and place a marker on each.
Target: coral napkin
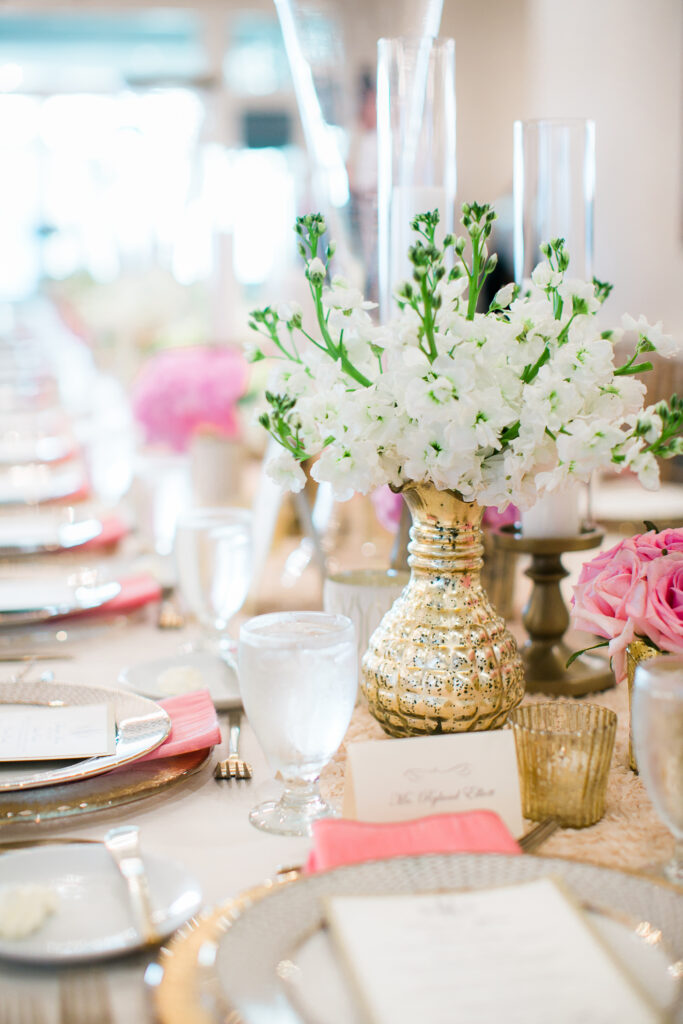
(340, 841)
(113, 530)
(135, 592)
(194, 725)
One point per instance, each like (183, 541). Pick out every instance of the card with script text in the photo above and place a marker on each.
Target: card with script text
(410, 778)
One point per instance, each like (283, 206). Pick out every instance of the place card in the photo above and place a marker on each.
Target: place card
(40, 733)
(410, 778)
(518, 953)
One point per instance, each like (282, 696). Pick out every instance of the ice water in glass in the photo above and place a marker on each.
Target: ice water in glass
(298, 679)
(658, 739)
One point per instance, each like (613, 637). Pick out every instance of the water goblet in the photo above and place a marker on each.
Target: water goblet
(658, 740)
(213, 559)
(298, 675)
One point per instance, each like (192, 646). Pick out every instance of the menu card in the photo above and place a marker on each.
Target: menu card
(411, 778)
(519, 954)
(40, 733)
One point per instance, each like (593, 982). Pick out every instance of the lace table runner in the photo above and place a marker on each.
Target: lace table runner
(630, 836)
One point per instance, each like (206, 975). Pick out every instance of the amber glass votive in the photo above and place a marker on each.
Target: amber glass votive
(563, 755)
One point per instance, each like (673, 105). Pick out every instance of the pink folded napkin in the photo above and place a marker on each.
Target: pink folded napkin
(337, 841)
(194, 725)
(113, 530)
(135, 592)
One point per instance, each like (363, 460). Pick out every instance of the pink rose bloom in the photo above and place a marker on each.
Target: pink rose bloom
(659, 616)
(180, 391)
(665, 541)
(605, 587)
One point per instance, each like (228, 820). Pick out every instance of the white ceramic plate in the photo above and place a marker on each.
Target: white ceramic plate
(33, 600)
(16, 450)
(93, 919)
(38, 532)
(274, 958)
(197, 670)
(141, 726)
(32, 484)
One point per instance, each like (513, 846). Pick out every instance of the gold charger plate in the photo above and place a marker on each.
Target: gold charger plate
(234, 958)
(124, 785)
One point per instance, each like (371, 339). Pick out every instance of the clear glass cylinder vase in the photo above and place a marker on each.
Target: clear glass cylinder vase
(554, 191)
(416, 167)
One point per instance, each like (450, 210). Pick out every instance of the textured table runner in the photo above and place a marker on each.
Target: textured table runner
(630, 836)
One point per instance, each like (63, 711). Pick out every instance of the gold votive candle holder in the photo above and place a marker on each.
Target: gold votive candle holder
(564, 753)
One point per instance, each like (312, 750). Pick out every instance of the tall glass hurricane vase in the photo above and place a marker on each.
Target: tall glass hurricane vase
(415, 147)
(554, 191)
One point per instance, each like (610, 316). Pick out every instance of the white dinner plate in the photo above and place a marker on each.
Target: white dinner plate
(34, 533)
(33, 600)
(93, 917)
(32, 484)
(181, 673)
(141, 726)
(274, 958)
(16, 450)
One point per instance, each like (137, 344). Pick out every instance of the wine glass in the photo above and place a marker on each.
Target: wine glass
(213, 558)
(658, 740)
(298, 674)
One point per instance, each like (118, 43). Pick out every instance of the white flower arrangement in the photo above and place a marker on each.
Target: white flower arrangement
(501, 406)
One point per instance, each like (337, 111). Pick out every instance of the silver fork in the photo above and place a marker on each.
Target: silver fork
(84, 999)
(233, 767)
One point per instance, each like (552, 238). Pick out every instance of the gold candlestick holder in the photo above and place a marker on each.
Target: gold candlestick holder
(546, 618)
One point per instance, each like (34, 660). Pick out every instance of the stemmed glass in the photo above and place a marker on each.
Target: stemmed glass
(298, 675)
(213, 558)
(658, 741)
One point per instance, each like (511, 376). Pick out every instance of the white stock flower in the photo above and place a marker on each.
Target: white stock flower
(664, 344)
(286, 472)
(503, 296)
(316, 268)
(543, 276)
(288, 311)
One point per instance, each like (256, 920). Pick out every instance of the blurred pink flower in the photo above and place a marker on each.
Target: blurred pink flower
(181, 391)
(634, 589)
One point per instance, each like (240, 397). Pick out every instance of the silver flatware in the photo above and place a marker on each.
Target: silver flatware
(233, 767)
(124, 846)
(538, 834)
(169, 616)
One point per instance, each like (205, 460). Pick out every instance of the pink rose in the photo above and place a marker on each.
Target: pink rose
(606, 588)
(666, 541)
(660, 615)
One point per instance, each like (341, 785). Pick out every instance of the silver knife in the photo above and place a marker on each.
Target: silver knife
(123, 844)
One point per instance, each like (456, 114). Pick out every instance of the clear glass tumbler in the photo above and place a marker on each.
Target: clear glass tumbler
(213, 558)
(657, 711)
(554, 189)
(298, 675)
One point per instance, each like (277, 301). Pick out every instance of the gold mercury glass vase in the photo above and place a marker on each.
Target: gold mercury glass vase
(442, 660)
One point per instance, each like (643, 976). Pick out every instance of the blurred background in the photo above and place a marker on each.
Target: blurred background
(152, 156)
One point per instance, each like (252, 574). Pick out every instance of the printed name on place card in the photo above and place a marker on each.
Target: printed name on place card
(38, 733)
(410, 778)
(517, 954)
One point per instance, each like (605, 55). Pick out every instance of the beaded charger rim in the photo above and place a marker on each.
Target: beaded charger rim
(184, 983)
